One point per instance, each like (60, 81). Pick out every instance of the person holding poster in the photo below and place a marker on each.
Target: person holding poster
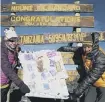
(8, 64)
(94, 63)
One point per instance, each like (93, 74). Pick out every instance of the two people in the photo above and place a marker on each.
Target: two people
(93, 70)
(93, 63)
(9, 62)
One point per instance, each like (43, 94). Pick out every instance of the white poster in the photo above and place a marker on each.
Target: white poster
(45, 74)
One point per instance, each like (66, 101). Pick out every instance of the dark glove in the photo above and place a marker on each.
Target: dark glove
(72, 97)
(24, 88)
(75, 95)
(60, 49)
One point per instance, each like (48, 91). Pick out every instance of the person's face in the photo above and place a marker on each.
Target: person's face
(12, 43)
(87, 49)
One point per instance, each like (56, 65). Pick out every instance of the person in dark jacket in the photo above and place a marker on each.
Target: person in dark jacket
(94, 63)
(8, 64)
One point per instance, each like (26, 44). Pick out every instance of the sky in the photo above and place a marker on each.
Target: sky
(99, 15)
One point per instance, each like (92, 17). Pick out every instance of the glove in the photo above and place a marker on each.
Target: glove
(72, 97)
(24, 88)
(60, 49)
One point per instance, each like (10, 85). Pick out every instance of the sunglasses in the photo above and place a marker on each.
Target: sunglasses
(10, 40)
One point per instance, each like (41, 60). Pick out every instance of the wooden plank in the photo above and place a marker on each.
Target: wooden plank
(52, 38)
(72, 75)
(77, 21)
(58, 38)
(67, 57)
(47, 7)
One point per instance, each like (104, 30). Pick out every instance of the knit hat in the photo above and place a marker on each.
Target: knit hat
(10, 33)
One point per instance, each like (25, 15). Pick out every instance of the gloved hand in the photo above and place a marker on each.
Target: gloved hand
(24, 88)
(60, 49)
(72, 97)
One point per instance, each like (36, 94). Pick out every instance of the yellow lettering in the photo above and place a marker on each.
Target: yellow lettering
(45, 7)
(38, 19)
(13, 18)
(45, 20)
(51, 39)
(69, 37)
(42, 39)
(30, 8)
(18, 18)
(34, 39)
(56, 38)
(76, 37)
(30, 39)
(37, 38)
(32, 18)
(26, 8)
(25, 39)
(21, 39)
(13, 8)
(21, 7)
(81, 37)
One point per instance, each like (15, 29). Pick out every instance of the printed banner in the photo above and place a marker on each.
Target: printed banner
(45, 74)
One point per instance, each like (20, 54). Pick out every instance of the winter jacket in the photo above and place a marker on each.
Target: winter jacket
(96, 75)
(7, 71)
(88, 66)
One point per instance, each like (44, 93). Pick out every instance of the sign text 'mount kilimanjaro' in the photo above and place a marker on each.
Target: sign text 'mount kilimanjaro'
(46, 7)
(77, 21)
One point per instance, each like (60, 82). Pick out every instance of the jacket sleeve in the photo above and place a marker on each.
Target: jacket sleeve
(96, 72)
(67, 49)
(92, 77)
(7, 68)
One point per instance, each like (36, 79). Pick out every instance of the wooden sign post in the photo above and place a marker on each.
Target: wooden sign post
(76, 22)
